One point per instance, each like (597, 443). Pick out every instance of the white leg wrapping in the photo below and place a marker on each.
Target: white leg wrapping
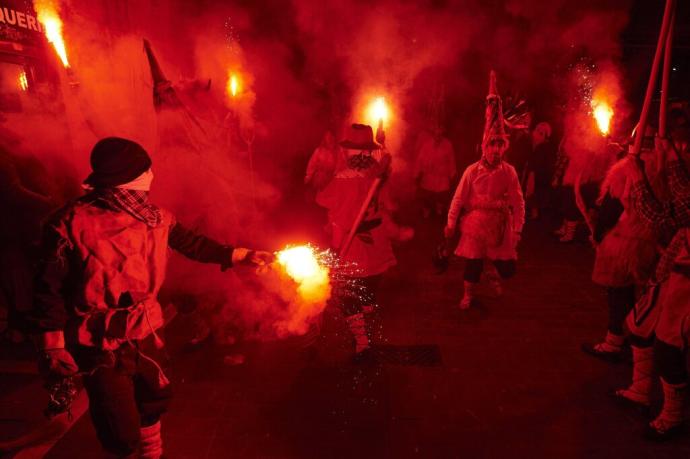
(151, 443)
(359, 332)
(672, 412)
(643, 371)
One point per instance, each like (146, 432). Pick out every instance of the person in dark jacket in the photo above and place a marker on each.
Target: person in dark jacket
(95, 311)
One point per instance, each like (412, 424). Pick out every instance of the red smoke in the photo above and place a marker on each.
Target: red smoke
(306, 66)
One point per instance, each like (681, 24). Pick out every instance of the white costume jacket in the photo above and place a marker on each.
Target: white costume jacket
(491, 209)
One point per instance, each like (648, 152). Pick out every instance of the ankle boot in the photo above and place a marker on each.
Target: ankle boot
(670, 420)
(569, 232)
(468, 296)
(610, 350)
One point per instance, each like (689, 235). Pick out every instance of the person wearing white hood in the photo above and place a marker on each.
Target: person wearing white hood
(489, 204)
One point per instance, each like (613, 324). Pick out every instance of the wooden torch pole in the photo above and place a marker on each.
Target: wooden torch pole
(651, 85)
(665, 75)
(360, 216)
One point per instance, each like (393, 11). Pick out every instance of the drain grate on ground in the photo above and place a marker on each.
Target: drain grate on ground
(425, 355)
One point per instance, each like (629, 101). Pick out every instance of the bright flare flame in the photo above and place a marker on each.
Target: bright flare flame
(602, 113)
(233, 86)
(46, 11)
(378, 111)
(23, 81)
(302, 265)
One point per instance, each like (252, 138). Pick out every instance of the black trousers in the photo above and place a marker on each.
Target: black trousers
(473, 269)
(670, 362)
(433, 201)
(125, 392)
(568, 204)
(621, 301)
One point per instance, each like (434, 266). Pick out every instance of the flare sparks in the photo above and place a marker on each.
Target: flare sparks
(47, 14)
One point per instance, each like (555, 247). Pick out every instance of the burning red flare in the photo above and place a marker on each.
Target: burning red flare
(47, 14)
(602, 113)
(303, 266)
(377, 112)
(23, 81)
(233, 86)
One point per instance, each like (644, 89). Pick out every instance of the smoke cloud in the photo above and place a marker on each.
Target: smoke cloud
(305, 66)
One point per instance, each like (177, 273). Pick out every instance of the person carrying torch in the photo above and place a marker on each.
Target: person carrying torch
(659, 324)
(96, 312)
(360, 228)
(489, 203)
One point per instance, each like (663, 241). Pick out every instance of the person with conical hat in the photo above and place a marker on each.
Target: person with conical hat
(489, 205)
(370, 253)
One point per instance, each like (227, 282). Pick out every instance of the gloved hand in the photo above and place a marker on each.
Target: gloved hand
(252, 257)
(448, 232)
(57, 362)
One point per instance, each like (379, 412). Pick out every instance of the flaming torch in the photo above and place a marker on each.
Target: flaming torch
(377, 112)
(233, 85)
(23, 81)
(47, 14)
(602, 113)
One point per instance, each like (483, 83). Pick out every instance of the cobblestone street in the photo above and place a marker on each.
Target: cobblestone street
(511, 381)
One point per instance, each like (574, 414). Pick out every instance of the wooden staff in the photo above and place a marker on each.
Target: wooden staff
(651, 85)
(663, 106)
(360, 216)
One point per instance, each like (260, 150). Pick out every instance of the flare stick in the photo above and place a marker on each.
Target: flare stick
(651, 85)
(666, 71)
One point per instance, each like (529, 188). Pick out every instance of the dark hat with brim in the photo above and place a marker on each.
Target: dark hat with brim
(116, 161)
(360, 137)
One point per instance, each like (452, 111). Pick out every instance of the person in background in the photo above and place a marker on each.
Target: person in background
(538, 169)
(434, 172)
(24, 201)
(323, 163)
